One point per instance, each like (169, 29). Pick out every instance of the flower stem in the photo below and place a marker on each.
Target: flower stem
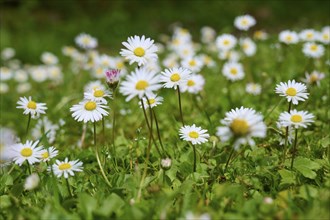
(158, 132)
(98, 158)
(180, 107)
(286, 136)
(29, 167)
(294, 147)
(227, 163)
(194, 149)
(269, 113)
(113, 123)
(68, 186)
(103, 131)
(28, 125)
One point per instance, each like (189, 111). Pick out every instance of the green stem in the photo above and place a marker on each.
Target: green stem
(29, 167)
(158, 133)
(268, 114)
(294, 147)
(194, 149)
(68, 186)
(227, 163)
(114, 122)
(98, 158)
(286, 136)
(103, 131)
(180, 107)
(28, 125)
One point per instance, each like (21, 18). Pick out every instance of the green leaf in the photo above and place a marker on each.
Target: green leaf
(287, 176)
(306, 167)
(87, 204)
(5, 201)
(111, 204)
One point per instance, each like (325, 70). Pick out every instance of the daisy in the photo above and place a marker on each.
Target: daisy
(308, 35)
(208, 34)
(225, 42)
(48, 154)
(49, 58)
(244, 22)
(293, 91)
(21, 76)
(29, 151)
(152, 101)
(4, 88)
(324, 36)
(31, 107)
(139, 50)
(296, 119)
(194, 84)
(314, 78)
(172, 78)
(233, 71)
(290, 133)
(248, 46)
(38, 73)
(23, 87)
(6, 73)
(140, 83)
(31, 182)
(86, 41)
(88, 110)
(94, 85)
(229, 55)
(112, 77)
(8, 53)
(44, 125)
(195, 64)
(313, 50)
(7, 139)
(253, 88)
(66, 168)
(97, 95)
(260, 35)
(193, 134)
(288, 37)
(242, 124)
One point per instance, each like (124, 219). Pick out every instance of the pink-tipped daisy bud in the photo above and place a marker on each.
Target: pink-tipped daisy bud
(112, 77)
(166, 163)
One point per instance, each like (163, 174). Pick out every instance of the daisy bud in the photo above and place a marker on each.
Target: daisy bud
(31, 182)
(166, 163)
(112, 77)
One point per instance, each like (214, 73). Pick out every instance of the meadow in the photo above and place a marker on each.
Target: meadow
(214, 124)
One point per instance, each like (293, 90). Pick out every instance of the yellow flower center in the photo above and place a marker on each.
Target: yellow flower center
(314, 47)
(291, 91)
(141, 85)
(233, 71)
(190, 83)
(313, 78)
(26, 152)
(296, 118)
(45, 155)
(309, 35)
(244, 22)
(239, 127)
(192, 62)
(289, 38)
(98, 93)
(64, 166)
(120, 65)
(175, 77)
(193, 134)
(245, 46)
(32, 105)
(325, 36)
(90, 106)
(139, 52)
(152, 101)
(86, 40)
(226, 42)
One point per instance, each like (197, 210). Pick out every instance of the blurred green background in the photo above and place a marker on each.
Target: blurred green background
(34, 26)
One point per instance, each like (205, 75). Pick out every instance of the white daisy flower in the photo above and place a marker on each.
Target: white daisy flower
(242, 124)
(233, 71)
(293, 91)
(66, 168)
(88, 110)
(171, 61)
(49, 58)
(208, 34)
(207, 60)
(324, 35)
(94, 85)
(308, 35)
(244, 22)
(313, 50)
(260, 35)
(7, 53)
(194, 85)
(140, 83)
(55, 73)
(296, 118)
(23, 87)
(283, 129)
(4, 88)
(225, 42)
(248, 46)
(153, 100)
(38, 73)
(253, 88)
(21, 76)
(172, 78)
(49, 153)
(97, 95)
(44, 125)
(139, 50)
(7, 139)
(32, 182)
(314, 78)
(103, 60)
(6, 73)
(193, 134)
(229, 55)
(31, 107)
(195, 64)
(28, 151)
(288, 37)
(185, 51)
(86, 41)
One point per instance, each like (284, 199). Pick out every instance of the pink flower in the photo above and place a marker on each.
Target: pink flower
(112, 77)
